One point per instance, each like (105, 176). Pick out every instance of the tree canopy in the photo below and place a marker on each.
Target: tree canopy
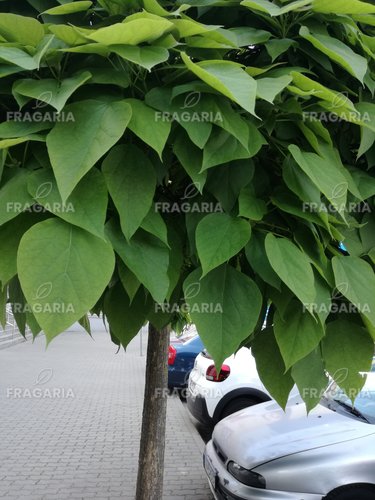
(208, 161)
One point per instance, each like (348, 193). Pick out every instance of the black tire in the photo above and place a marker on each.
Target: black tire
(353, 492)
(238, 404)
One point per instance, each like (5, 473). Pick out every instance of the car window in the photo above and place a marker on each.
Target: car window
(364, 403)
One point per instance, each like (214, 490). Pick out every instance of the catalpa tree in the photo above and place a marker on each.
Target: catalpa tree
(200, 161)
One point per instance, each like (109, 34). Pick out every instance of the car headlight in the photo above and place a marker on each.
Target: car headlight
(246, 476)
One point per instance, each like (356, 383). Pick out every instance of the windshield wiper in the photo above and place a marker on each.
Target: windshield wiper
(352, 410)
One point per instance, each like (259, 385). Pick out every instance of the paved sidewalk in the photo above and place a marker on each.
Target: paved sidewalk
(70, 420)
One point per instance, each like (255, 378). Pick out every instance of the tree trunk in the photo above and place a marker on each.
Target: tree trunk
(151, 453)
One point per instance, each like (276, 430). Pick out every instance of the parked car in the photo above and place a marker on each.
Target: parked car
(212, 396)
(181, 356)
(263, 453)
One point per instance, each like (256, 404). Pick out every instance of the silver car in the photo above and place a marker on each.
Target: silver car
(265, 454)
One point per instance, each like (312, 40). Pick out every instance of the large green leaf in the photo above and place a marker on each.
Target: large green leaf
(270, 366)
(338, 52)
(63, 271)
(272, 9)
(325, 175)
(51, 92)
(125, 318)
(228, 78)
(132, 32)
(131, 182)
(347, 350)
(219, 237)
(225, 305)
(21, 29)
(297, 333)
(86, 207)
(311, 379)
(343, 7)
(145, 124)
(257, 258)
(144, 56)
(292, 266)
(269, 88)
(146, 256)
(10, 237)
(355, 280)
(75, 147)
(69, 8)
(14, 197)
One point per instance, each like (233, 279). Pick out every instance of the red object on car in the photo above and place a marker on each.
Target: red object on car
(211, 373)
(172, 352)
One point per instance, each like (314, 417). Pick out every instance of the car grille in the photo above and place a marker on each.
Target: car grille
(219, 452)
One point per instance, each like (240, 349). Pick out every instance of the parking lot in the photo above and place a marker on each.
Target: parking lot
(70, 423)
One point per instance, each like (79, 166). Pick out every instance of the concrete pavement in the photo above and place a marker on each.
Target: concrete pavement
(70, 421)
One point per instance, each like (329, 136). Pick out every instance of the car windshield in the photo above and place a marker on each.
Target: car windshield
(364, 404)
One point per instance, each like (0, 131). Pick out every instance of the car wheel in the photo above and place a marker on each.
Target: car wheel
(353, 492)
(238, 404)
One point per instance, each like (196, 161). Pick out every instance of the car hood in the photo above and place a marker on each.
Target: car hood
(265, 432)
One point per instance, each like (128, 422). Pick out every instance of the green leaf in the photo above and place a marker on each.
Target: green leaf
(24, 30)
(338, 52)
(256, 255)
(146, 256)
(14, 197)
(69, 8)
(69, 279)
(342, 7)
(367, 232)
(75, 147)
(144, 56)
(347, 351)
(251, 207)
(128, 279)
(355, 280)
(18, 57)
(272, 9)
(219, 237)
(3, 305)
(228, 78)
(269, 88)
(270, 366)
(49, 91)
(131, 182)
(278, 46)
(154, 224)
(132, 32)
(19, 129)
(297, 333)
(146, 126)
(223, 147)
(292, 266)
(191, 159)
(10, 237)
(125, 317)
(310, 377)
(225, 305)
(7, 143)
(325, 175)
(86, 207)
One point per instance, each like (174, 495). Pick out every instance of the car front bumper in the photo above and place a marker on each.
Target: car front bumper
(225, 487)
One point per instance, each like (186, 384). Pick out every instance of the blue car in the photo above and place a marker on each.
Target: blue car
(181, 357)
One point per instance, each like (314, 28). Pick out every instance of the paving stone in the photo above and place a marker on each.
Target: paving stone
(71, 418)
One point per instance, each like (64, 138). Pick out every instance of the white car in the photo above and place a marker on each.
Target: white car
(265, 453)
(212, 396)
